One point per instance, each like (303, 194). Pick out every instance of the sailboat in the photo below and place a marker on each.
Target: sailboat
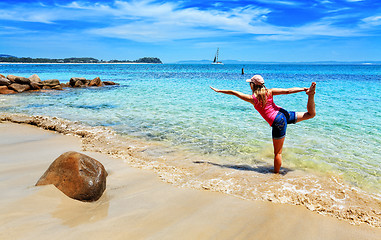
(215, 61)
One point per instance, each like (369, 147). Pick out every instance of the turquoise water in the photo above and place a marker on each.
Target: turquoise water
(174, 104)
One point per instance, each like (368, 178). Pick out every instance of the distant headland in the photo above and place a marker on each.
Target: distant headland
(12, 59)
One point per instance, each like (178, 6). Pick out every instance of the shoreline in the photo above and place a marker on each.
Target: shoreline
(326, 196)
(136, 203)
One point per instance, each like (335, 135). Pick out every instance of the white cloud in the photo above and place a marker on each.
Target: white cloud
(280, 2)
(168, 21)
(323, 27)
(12, 31)
(150, 21)
(372, 21)
(31, 16)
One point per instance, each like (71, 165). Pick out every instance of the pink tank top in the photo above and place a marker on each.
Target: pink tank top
(270, 110)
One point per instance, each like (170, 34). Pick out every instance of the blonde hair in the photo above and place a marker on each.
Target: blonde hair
(261, 93)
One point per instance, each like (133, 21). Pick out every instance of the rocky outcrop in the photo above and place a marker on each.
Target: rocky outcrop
(22, 80)
(6, 90)
(77, 175)
(110, 83)
(17, 79)
(65, 85)
(35, 86)
(17, 84)
(19, 87)
(79, 84)
(12, 78)
(57, 87)
(35, 82)
(5, 81)
(95, 82)
(35, 79)
(76, 81)
(51, 82)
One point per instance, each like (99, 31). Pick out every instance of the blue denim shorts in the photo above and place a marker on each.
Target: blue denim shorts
(280, 123)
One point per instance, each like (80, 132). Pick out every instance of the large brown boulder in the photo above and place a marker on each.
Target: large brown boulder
(5, 82)
(6, 90)
(17, 79)
(79, 84)
(57, 87)
(95, 82)
(35, 82)
(35, 86)
(51, 82)
(65, 85)
(11, 78)
(46, 88)
(76, 175)
(74, 80)
(19, 87)
(110, 83)
(22, 80)
(35, 79)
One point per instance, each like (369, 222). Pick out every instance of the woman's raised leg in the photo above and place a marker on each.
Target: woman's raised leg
(311, 112)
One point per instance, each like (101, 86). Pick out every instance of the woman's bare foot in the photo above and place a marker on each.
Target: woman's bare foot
(311, 90)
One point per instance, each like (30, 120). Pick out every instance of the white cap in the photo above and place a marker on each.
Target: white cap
(257, 80)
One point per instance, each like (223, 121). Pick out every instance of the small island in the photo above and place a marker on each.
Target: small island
(12, 59)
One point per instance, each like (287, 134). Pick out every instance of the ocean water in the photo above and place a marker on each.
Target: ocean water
(173, 104)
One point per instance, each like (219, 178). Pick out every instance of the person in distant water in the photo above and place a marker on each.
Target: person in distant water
(277, 117)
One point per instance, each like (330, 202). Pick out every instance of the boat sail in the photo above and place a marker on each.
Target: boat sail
(215, 61)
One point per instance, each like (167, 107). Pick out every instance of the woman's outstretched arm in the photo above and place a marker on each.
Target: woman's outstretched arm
(245, 97)
(281, 91)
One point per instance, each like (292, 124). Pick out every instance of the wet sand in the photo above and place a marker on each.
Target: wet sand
(136, 203)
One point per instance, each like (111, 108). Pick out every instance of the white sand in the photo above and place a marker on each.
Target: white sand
(136, 204)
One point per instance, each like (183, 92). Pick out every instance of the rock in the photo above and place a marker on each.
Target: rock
(95, 82)
(22, 80)
(11, 78)
(78, 84)
(86, 82)
(17, 79)
(51, 82)
(35, 79)
(35, 86)
(76, 175)
(65, 85)
(1, 75)
(35, 82)
(110, 83)
(19, 87)
(74, 80)
(6, 90)
(4, 81)
(46, 88)
(57, 87)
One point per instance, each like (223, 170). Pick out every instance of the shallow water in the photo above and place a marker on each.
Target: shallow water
(173, 104)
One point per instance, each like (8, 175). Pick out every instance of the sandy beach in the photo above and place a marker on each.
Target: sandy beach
(136, 203)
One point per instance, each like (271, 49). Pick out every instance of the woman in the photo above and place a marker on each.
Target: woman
(277, 117)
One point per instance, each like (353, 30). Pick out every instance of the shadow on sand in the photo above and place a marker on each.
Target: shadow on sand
(259, 169)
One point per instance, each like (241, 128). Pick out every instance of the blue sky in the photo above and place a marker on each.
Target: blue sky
(259, 30)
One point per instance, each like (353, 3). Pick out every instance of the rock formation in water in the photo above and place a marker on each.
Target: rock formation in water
(16, 84)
